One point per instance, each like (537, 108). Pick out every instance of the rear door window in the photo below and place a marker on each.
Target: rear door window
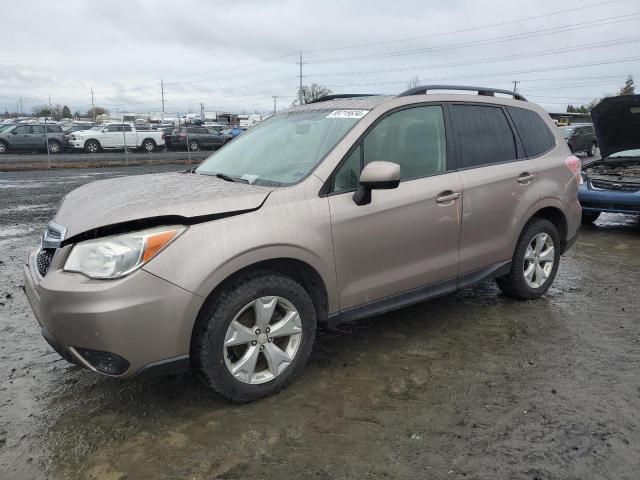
(534, 133)
(37, 129)
(483, 134)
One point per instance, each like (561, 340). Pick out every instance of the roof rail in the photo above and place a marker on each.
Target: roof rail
(326, 98)
(489, 92)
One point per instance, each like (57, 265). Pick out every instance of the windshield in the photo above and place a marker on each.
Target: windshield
(626, 154)
(284, 148)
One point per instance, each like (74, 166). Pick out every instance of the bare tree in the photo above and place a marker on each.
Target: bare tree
(414, 82)
(312, 93)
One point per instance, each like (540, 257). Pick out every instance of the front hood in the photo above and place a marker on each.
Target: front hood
(154, 199)
(617, 124)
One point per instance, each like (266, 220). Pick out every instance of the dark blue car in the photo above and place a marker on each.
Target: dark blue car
(613, 183)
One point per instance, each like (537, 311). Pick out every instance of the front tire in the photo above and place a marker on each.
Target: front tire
(535, 261)
(194, 146)
(3, 148)
(254, 336)
(92, 146)
(589, 217)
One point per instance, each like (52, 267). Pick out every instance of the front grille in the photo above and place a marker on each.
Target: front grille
(615, 186)
(43, 260)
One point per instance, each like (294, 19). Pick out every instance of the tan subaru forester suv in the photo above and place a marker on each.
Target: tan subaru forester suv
(347, 207)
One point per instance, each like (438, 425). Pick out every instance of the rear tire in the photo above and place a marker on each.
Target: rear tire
(194, 146)
(148, 145)
(55, 147)
(592, 150)
(589, 217)
(516, 283)
(3, 148)
(92, 146)
(228, 370)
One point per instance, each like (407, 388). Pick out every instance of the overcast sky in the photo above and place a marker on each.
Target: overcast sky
(235, 55)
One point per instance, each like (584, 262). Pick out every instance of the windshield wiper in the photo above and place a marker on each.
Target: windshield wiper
(229, 178)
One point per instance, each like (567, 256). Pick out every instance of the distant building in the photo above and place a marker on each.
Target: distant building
(565, 118)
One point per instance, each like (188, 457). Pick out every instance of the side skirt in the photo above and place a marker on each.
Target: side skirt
(418, 295)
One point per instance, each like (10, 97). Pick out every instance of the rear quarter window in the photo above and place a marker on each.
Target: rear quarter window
(534, 133)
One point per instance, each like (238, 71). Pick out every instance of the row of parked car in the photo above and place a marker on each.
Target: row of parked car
(112, 136)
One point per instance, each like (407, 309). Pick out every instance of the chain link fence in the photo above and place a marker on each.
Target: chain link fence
(32, 144)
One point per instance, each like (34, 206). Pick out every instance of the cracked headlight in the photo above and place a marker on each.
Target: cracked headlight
(118, 255)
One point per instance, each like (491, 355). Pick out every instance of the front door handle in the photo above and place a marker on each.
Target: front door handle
(447, 198)
(525, 178)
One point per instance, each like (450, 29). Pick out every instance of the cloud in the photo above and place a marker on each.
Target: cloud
(214, 52)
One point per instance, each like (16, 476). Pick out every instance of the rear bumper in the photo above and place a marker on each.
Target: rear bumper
(118, 327)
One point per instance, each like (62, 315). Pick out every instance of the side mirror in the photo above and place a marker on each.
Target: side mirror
(376, 176)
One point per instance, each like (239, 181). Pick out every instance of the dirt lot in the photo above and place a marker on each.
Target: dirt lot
(472, 385)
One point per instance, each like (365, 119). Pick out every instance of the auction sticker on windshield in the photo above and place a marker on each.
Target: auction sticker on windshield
(348, 114)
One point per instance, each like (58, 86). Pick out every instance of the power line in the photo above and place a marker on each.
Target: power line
(483, 61)
(464, 30)
(489, 41)
(481, 27)
(508, 73)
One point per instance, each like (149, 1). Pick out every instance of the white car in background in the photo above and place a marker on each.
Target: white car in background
(115, 136)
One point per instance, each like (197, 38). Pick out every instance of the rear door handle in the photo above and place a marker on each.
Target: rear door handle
(447, 198)
(525, 178)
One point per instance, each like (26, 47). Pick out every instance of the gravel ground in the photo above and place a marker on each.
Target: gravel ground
(472, 385)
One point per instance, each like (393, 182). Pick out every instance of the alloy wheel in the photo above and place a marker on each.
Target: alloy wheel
(593, 149)
(539, 258)
(54, 147)
(262, 340)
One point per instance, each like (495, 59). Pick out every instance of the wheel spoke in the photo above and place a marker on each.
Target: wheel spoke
(238, 334)
(541, 276)
(276, 358)
(540, 241)
(289, 325)
(529, 253)
(243, 369)
(264, 308)
(548, 255)
(528, 273)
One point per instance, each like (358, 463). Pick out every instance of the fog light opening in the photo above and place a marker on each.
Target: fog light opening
(103, 362)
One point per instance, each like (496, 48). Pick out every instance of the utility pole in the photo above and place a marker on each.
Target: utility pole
(202, 112)
(515, 85)
(300, 91)
(21, 111)
(162, 92)
(275, 103)
(50, 106)
(93, 106)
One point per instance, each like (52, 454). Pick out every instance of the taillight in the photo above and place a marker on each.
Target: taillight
(573, 163)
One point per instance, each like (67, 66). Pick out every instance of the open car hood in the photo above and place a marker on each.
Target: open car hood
(617, 124)
(154, 200)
